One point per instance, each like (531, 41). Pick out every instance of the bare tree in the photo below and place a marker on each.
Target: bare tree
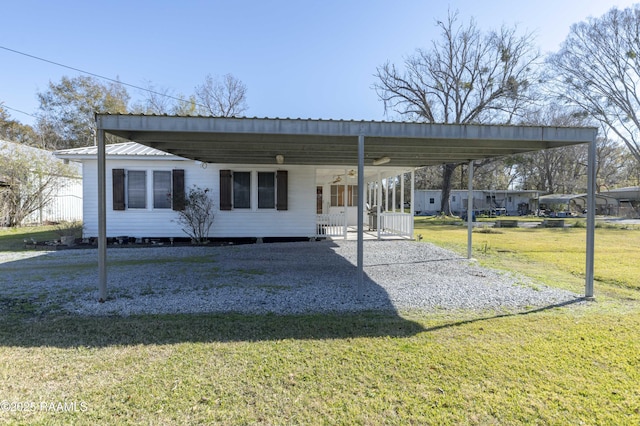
(598, 70)
(467, 76)
(225, 97)
(162, 100)
(613, 162)
(558, 170)
(156, 100)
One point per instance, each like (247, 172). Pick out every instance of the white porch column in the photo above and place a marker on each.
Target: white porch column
(411, 204)
(378, 219)
(402, 192)
(386, 196)
(102, 217)
(470, 210)
(393, 195)
(345, 199)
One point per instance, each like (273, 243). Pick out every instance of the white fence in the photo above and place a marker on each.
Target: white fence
(400, 224)
(62, 208)
(331, 225)
(391, 224)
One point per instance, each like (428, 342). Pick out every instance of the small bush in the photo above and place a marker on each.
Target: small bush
(197, 217)
(65, 228)
(486, 230)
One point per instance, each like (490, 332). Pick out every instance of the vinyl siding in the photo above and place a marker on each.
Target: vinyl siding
(297, 221)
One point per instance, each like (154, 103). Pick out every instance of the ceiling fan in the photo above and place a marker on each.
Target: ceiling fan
(351, 174)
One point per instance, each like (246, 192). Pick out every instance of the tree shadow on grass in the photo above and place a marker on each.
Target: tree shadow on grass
(75, 331)
(483, 318)
(70, 331)
(248, 293)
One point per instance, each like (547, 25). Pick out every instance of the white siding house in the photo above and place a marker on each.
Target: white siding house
(511, 202)
(142, 216)
(250, 201)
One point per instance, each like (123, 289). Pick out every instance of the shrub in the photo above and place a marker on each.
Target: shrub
(197, 217)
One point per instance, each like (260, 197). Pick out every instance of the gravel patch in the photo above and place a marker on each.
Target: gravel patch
(282, 278)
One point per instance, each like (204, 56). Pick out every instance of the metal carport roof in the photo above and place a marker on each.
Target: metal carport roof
(333, 143)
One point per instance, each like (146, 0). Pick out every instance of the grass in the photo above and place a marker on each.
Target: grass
(575, 364)
(12, 239)
(552, 252)
(551, 367)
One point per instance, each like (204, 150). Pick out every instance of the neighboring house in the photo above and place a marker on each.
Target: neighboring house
(510, 202)
(66, 199)
(250, 201)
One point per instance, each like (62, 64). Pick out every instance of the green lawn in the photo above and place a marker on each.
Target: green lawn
(576, 364)
(555, 255)
(12, 239)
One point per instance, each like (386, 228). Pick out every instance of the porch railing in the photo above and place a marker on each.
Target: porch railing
(400, 224)
(331, 225)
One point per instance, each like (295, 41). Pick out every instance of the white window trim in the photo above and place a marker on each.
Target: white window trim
(275, 190)
(252, 196)
(151, 190)
(253, 192)
(126, 189)
(148, 189)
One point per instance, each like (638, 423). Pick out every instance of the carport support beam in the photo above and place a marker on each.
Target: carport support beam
(102, 217)
(591, 218)
(470, 210)
(360, 289)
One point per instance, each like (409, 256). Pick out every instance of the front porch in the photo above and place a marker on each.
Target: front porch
(392, 226)
(389, 208)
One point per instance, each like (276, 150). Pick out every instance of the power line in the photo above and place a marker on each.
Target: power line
(94, 75)
(3, 105)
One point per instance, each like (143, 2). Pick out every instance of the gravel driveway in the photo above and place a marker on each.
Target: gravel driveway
(282, 278)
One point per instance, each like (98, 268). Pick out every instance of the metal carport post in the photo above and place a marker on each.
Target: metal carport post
(360, 281)
(102, 214)
(470, 211)
(591, 218)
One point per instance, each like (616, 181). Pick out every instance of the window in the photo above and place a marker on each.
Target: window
(137, 189)
(130, 189)
(236, 189)
(432, 200)
(161, 190)
(337, 195)
(266, 190)
(242, 190)
(453, 198)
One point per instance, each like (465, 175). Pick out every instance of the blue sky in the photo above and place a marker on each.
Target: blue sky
(308, 59)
